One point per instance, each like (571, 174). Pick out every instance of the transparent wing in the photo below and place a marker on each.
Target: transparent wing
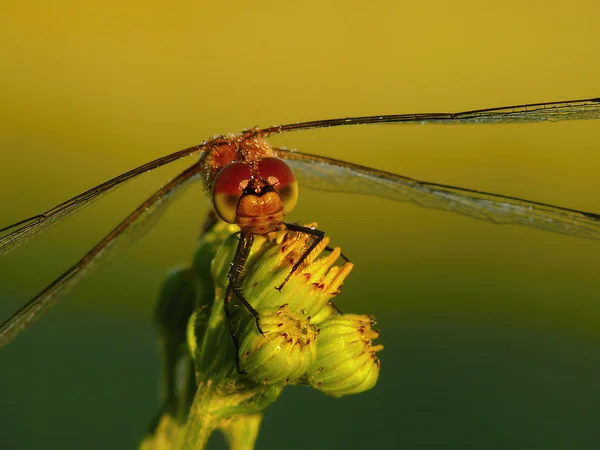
(21, 232)
(534, 112)
(334, 175)
(133, 227)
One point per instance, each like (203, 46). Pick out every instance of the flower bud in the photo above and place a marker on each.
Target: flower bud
(286, 350)
(310, 288)
(346, 357)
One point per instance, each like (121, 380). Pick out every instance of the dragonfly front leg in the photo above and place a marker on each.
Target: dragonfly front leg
(318, 237)
(236, 278)
(234, 337)
(344, 257)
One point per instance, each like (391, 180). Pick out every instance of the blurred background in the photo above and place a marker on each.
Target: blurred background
(491, 332)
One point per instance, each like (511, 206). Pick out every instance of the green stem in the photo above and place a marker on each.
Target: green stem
(241, 432)
(201, 421)
(260, 400)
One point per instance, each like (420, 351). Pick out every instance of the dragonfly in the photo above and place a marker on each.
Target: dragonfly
(254, 185)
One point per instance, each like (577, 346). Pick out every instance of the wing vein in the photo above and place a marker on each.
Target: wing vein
(44, 300)
(333, 175)
(23, 231)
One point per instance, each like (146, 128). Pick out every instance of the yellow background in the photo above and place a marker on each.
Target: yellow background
(89, 90)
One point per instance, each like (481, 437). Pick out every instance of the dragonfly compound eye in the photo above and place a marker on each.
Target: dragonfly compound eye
(227, 189)
(279, 175)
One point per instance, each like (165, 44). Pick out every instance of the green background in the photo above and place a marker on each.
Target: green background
(491, 332)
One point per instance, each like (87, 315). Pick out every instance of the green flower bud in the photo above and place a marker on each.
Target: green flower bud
(346, 357)
(305, 339)
(309, 289)
(286, 350)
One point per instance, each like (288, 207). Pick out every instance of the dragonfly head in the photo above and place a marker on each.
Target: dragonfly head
(256, 196)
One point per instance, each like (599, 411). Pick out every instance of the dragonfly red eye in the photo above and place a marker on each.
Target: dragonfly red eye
(227, 189)
(279, 175)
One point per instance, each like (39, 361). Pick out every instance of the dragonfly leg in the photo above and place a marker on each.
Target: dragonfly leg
(248, 306)
(318, 237)
(234, 337)
(236, 277)
(344, 257)
(339, 311)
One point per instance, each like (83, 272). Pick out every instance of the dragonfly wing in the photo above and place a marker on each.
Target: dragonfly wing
(534, 112)
(21, 232)
(134, 226)
(333, 175)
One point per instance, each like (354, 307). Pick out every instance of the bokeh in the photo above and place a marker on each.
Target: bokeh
(491, 332)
